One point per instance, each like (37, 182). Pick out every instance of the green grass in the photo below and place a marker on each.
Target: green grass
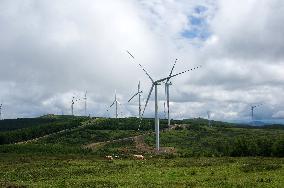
(38, 127)
(90, 171)
(222, 141)
(202, 157)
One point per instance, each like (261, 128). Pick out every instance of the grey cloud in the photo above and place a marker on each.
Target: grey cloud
(49, 51)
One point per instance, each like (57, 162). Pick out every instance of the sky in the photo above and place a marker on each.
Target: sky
(52, 51)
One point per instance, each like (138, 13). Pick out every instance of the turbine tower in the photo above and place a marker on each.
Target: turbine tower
(115, 102)
(72, 106)
(209, 115)
(1, 111)
(139, 99)
(167, 92)
(252, 109)
(73, 102)
(155, 84)
(85, 100)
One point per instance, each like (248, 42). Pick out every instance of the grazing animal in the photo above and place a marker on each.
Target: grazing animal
(109, 157)
(139, 157)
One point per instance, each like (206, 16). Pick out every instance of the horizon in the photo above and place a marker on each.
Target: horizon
(260, 122)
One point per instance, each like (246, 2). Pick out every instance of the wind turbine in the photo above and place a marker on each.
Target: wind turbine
(155, 84)
(139, 99)
(167, 92)
(115, 102)
(85, 100)
(72, 106)
(252, 109)
(209, 115)
(1, 111)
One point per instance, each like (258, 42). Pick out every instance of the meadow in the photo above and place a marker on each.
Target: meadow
(90, 171)
(196, 155)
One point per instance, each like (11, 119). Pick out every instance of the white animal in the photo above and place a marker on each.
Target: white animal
(139, 157)
(109, 157)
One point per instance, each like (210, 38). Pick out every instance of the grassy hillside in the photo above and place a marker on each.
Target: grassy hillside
(20, 123)
(86, 171)
(191, 138)
(222, 155)
(71, 141)
(18, 130)
(194, 140)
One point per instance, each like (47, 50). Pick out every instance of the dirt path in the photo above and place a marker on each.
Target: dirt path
(97, 144)
(139, 144)
(138, 140)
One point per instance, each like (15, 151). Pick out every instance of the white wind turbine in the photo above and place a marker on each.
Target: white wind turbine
(155, 84)
(1, 111)
(139, 99)
(85, 105)
(72, 105)
(115, 102)
(252, 109)
(209, 116)
(167, 93)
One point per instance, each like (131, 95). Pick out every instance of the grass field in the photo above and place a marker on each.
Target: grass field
(202, 156)
(90, 171)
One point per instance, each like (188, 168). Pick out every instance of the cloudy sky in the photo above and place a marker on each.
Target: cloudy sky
(51, 51)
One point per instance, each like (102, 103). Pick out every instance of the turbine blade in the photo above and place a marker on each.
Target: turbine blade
(141, 67)
(172, 70)
(112, 104)
(130, 54)
(146, 72)
(163, 79)
(148, 99)
(133, 96)
(184, 72)
(118, 102)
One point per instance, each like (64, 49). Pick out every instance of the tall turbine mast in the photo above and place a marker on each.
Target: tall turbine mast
(115, 102)
(1, 111)
(209, 120)
(139, 99)
(72, 105)
(252, 109)
(85, 100)
(167, 92)
(155, 85)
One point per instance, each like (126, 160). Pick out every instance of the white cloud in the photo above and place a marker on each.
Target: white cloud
(279, 114)
(48, 51)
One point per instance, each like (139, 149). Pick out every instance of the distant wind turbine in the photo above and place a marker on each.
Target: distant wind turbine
(85, 100)
(1, 111)
(72, 106)
(115, 102)
(167, 93)
(209, 116)
(252, 110)
(139, 99)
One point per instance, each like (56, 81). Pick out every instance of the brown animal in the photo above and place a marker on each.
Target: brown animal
(139, 157)
(109, 157)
